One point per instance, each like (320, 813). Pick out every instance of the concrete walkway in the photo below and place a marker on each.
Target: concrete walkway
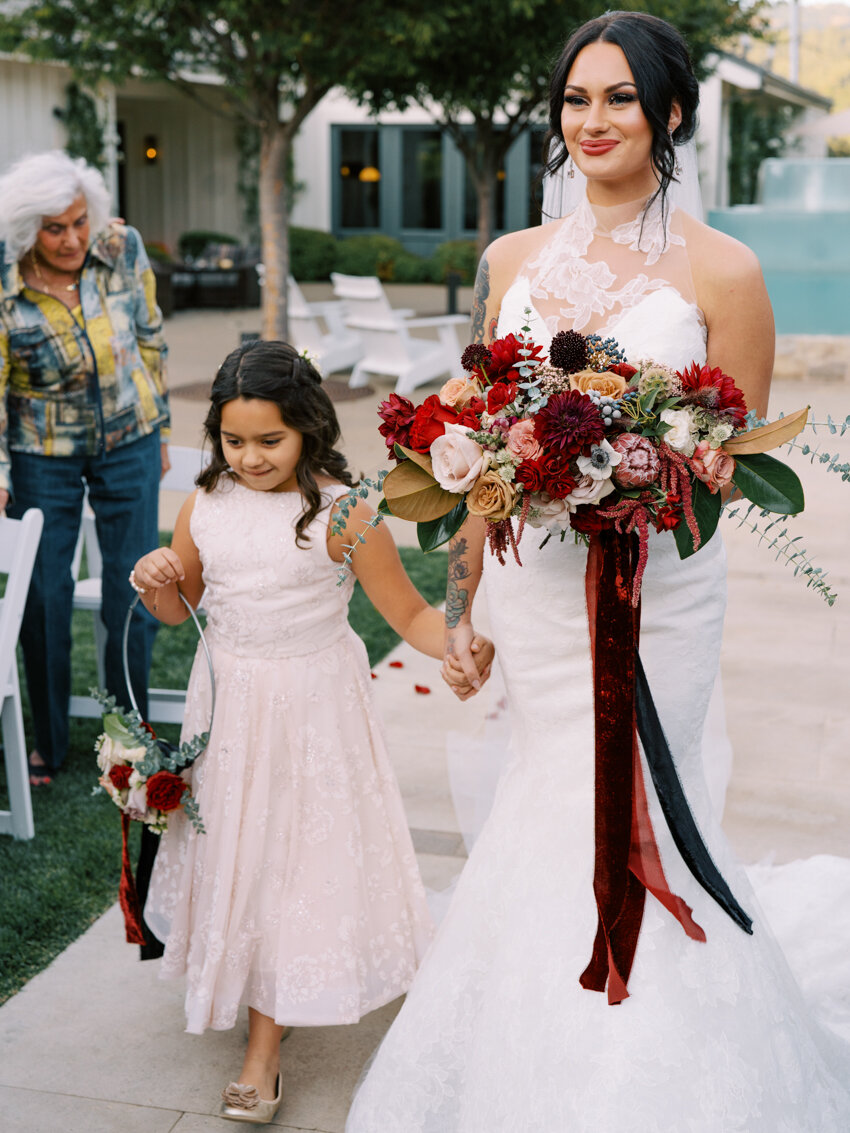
(95, 1043)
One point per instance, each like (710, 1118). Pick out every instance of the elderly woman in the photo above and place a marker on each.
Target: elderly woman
(82, 403)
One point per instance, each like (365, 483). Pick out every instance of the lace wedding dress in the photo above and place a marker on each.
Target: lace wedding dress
(303, 897)
(497, 1035)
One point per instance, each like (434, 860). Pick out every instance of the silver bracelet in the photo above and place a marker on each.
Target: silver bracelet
(134, 584)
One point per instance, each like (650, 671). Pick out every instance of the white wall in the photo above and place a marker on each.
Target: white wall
(28, 94)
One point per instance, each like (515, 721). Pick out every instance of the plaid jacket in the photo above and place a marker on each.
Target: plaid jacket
(81, 383)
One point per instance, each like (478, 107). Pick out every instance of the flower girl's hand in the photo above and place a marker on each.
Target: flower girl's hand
(157, 569)
(482, 651)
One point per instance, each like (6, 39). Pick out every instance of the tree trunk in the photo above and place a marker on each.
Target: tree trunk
(274, 226)
(485, 190)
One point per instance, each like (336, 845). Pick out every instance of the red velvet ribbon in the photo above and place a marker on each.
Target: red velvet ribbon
(627, 861)
(127, 896)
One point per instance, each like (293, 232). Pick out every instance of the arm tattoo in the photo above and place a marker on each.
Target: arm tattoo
(457, 599)
(480, 294)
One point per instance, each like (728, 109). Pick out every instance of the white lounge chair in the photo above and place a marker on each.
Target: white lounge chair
(19, 540)
(390, 350)
(338, 349)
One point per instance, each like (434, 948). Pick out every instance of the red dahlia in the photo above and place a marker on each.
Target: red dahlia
(714, 390)
(568, 422)
(396, 418)
(505, 359)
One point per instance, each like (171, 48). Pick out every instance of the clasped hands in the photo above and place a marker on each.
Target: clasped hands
(467, 660)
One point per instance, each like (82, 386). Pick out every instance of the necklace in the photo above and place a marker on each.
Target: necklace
(48, 287)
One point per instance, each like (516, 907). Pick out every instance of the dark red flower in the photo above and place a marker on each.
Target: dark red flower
(568, 422)
(568, 351)
(500, 395)
(429, 423)
(588, 521)
(623, 369)
(475, 357)
(505, 359)
(165, 790)
(714, 390)
(669, 515)
(120, 774)
(397, 415)
(476, 405)
(530, 475)
(558, 477)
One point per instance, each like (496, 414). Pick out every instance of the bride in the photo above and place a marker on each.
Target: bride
(497, 1033)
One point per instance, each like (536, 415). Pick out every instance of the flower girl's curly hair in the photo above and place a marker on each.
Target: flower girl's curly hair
(274, 371)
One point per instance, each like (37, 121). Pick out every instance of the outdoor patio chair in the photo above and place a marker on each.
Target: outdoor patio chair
(19, 540)
(390, 349)
(339, 349)
(165, 705)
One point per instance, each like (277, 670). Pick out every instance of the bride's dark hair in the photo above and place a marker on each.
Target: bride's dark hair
(274, 371)
(661, 65)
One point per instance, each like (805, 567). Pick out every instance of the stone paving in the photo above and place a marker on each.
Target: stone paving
(95, 1043)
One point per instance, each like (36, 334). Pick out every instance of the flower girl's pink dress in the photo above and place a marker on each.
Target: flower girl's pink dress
(303, 898)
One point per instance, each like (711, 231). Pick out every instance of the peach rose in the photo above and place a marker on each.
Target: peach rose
(521, 441)
(607, 384)
(458, 392)
(456, 461)
(491, 497)
(713, 466)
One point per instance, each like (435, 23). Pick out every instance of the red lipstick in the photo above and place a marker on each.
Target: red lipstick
(595, 148)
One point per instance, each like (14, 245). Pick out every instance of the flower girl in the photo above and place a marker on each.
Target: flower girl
(302, 898)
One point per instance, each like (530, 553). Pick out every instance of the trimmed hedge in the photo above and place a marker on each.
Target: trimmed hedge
(193, 243)
(314, 254)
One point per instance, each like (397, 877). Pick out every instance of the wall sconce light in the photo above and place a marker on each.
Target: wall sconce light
(151, 149)
(369, 173)
(345, 171)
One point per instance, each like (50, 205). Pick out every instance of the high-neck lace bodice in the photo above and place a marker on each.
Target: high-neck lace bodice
(602, 263)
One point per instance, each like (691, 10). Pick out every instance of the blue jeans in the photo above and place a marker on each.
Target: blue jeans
(124, 494)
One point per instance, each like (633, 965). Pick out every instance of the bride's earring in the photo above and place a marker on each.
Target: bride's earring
(677, 168)
(571, 169)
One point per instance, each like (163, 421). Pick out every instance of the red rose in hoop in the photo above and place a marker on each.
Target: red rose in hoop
(165, 790)
(119, 775)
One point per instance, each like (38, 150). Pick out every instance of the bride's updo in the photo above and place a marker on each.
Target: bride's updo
(661, 65)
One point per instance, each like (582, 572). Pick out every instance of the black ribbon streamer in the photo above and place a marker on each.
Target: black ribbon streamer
(681, 822)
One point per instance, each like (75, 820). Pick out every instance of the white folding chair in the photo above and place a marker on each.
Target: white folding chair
(339, 349)
(19, 540)
(164, 705)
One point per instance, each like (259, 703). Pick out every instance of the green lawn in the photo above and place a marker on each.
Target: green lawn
(53, 887)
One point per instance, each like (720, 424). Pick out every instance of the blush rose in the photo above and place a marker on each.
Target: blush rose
(713, 466)
(456, 460)
(521, 441)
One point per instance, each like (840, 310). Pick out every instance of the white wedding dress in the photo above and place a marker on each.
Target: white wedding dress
(497, 1035)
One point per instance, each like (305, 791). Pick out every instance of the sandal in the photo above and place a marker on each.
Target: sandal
(39, 773)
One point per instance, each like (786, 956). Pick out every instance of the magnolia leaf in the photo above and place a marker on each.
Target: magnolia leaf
(769, 483)
(117, 732)
(383, 507)
(769, 436)
(438, 531)
(420, 458)
(412, 493)
(707, 506)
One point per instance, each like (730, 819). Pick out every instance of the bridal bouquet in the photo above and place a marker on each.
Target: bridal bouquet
(140, 773)
(581, 440)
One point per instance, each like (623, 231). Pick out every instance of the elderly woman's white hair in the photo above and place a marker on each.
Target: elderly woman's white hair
(46, 184)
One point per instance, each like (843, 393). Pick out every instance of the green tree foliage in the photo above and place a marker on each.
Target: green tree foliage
(275, 62)
(482, 67)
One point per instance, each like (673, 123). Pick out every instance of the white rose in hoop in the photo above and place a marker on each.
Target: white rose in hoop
(681, 436)
(457, 461)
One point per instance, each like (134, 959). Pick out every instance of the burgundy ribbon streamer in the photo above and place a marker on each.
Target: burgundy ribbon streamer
(127, 896)
(627, 861)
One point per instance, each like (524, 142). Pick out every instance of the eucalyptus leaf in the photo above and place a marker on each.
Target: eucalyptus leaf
(436, 532)
(707, 506)
(769, 483)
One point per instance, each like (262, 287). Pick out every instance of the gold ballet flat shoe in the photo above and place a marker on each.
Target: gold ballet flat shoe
(243, 1103)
